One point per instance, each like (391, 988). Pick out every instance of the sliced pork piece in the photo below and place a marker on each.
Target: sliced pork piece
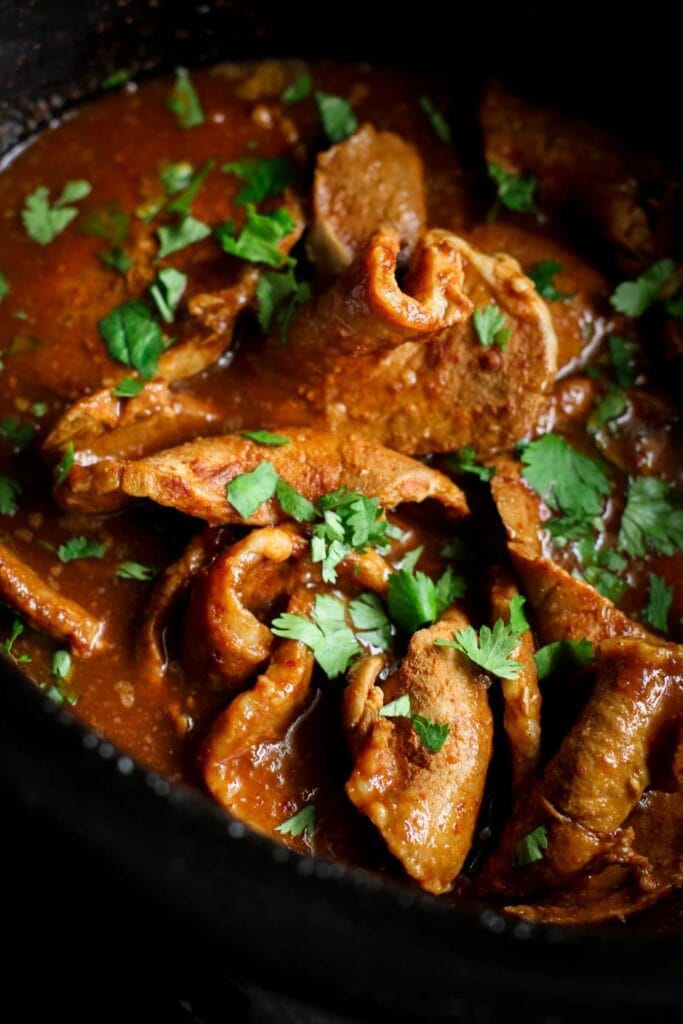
(46, 609)
(193, 478)
(425, 805)
(371, 180)
(448, 390)
(564, 607)
(631, 198)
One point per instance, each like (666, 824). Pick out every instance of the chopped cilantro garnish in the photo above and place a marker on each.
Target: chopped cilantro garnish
(464, 461)
(117, 78)
(298, 90)
(674, 307)
(184, 102)
(600, 569)
(399, 708)
(490, 650)
(440, 125)
(136, 571)
(351, 522)
(44, 222)
(60, 694)
(660, 596)
(489, 323)
(531, 847)
(515, 191)
(10, 490)
(79, 547)
(279, 295)
(652, 518)
(301, 822)
(180, 234)
(410, 559)
(128, 387)
(65, 464)
(337, 116)
(608, 408)
(266, 437)
(176, 177)
(260, 237)
(39, 409)
(263, 177)
(566, 479)
(133, 336)
(166, 292)
(294, 504)
(61, 664)
(4, 286)
(622, 353)
(414, 599)
(116, 259)
(109, 222)
(431, 734)
(8, 643)
(248, 491)
(328, 636)
(563, 656)
(183, 203)
(633, 298)
(370, 621)
(542, 274)
(18, 434)
(518, 621)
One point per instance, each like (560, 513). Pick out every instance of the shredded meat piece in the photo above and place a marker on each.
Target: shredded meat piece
(46, 609)
(425, 805)
(193, 478)
(371, 180)
(630, 198)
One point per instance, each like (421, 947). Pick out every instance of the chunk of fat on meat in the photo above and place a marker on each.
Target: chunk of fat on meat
(107, 432)
(259, 716)
(634, 201)
(46, 609)
(581, 321)
(371, 180)
(447, 390)
(564, 608)
(193, 478)
(425, 805)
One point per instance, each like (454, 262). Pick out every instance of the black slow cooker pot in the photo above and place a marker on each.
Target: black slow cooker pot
(114, 870)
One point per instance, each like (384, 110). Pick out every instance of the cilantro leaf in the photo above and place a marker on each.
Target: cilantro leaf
(4, 286)
(328, 636)
(44, 222)
(411, 558)
(294, 504)
(259, 239)
(633, 298)
(108, 222)
(337, 116)
(176, 177)
(432, 734)
(622, 353)
(370, 621)
(18, 434)
(183, 203)
(116, 259)
(674, 307)
(399, 708)
(605, 581)
(180, 234)
(65, 464)
(184, 102)
(263, 177)
(10, 490)
(248, 491)
(531, 847)
(59, 694)
(440, 125)
(79, 547)
(61, 664)
(563, 656)
(351, 522)
(279, 296)
(117, 78)
(542, 274)
(464, 461)
(133, 336)
(298, 90)
(515, 191)
(660, 597)
(448, 586)
(266, 437)
(608, 407)
(414, 599)
(128, 387)
(8, 643)
(518, 621)
(490, 650)
(489, 323)
(566, 479)
(652, 518)
(136, 571)
(166, 292)
(301, 822)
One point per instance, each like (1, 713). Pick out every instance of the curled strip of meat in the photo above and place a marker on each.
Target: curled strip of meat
(193, 478)
(565, 608)
(522, 697)
(250, 576)
(258, 716)
(46, 609)
(151, 655)
(425, 805)
(371, 179)
(365, 310)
